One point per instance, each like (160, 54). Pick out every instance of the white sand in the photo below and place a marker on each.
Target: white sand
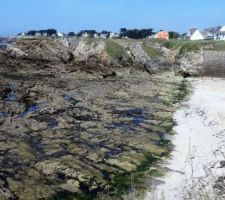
(198, 143)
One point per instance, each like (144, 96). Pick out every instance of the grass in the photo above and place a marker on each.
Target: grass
(168, 125)
(150, 51)
(114, 49)
(184, 46)
(120, 183)
(182, 91)
(219, 46)
(90, 40)
(124, 182)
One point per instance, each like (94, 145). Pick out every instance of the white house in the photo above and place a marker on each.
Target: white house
(96, 36)
(38, 34)
(104, 35)
(22, 34)
(59, 34)
(221, 33)
(195, 34)
(86, 35)
(114, 35)
(211, 33)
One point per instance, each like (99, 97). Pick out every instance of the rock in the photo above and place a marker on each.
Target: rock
(124, 165)
(71, 186)
(190, 64)
(76, 123)
(222, 164)
(151, 64)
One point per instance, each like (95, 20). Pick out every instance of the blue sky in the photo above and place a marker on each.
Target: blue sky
(74, 15)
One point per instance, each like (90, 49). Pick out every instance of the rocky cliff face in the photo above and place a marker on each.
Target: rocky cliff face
(108, 57)
(84, 54)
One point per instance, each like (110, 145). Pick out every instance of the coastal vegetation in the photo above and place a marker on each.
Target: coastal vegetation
(185, 46)
(153, 53)
(114, 49)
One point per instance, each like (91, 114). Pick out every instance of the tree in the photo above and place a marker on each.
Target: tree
(31, 33)
(71, 34)
(91, 33)
(48, 32)
(123, 30)
(174, 35)
(135, 33)
(51, 32)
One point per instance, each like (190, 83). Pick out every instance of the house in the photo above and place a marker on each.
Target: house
(38, 34)
(85, 35)
(194, 34)
(60, 34)
(211, 33)
(162, 35)
(21, 34)
(214, 33)
(96, 36)
(221, 34)
(105, 34)
(114, 35)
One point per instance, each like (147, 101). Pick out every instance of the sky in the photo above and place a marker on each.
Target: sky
(73, 15)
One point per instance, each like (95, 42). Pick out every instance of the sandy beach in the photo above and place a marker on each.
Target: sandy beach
(196, 162)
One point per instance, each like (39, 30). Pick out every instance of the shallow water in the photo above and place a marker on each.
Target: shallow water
(195, 162)
(34, 108)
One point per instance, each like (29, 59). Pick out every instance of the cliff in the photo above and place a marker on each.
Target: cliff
(103, 56)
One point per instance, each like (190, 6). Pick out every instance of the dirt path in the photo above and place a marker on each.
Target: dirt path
(198, 158)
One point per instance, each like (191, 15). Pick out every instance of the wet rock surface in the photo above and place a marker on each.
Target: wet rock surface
(69, 132)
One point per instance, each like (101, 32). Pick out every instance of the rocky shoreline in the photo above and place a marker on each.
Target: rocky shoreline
(78, 118)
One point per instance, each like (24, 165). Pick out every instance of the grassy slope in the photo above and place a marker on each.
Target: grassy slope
(150, 51)
(185, 46)
(114, 49)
